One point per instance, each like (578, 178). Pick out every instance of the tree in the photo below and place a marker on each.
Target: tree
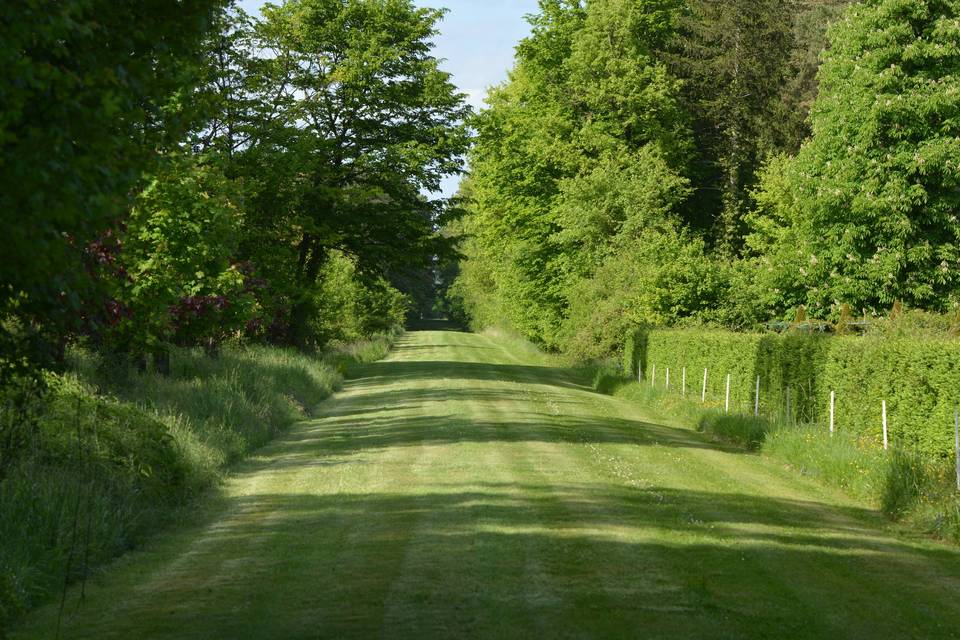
(352, 123)
(176, 278)
(91, 90)
(866, 213)
(788, 125)
(586, 98)
(733, 56)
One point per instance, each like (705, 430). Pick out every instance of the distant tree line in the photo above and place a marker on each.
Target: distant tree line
(669, 162)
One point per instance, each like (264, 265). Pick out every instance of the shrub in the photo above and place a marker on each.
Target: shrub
(905, 480)
(634, 352)
(720, 352)
(919, 377)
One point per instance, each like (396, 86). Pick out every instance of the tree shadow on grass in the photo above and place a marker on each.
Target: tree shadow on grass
(566, 560)
(386, 372)
(348, 433)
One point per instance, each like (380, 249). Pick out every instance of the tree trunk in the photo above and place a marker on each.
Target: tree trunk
(211, 348)
(303, 309)
(161, 362)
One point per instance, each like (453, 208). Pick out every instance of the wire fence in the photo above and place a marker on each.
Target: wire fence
(783, 412)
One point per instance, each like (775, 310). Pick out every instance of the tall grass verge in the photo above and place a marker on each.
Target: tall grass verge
(115, 454)
(915, 490)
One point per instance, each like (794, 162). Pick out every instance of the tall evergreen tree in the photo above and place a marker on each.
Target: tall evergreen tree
(733, 56)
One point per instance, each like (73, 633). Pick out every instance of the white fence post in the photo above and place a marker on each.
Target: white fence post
(639, 372)
(727, 403)
(683, 383)
(886, 440)
(703, 392)
(668, 379)
(653, 375)
(756, 400)
(833, 405)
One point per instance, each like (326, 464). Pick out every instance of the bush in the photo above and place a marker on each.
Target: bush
(720, 352)
(905, 480)
(634, 352)
(917, 376)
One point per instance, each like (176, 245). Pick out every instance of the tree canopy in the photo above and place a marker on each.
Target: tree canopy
(715, 162)
(182, 173)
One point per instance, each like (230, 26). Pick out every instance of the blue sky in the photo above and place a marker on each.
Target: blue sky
(476, 41)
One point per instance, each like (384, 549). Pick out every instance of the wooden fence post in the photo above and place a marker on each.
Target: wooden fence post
(703, 392)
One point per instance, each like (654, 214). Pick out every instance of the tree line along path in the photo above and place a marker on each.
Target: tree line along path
(464, 487)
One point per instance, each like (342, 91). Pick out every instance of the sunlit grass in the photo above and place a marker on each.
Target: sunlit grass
(118, 454)
(461, 488)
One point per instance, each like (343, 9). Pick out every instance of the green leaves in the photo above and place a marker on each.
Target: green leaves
(176, 273)
(84, 91)
(870, 201)
(348, 122)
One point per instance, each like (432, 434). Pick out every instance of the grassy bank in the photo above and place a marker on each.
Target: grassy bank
(915, 490)
(114, 454)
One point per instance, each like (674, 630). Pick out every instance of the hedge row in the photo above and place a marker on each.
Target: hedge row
(918, 377)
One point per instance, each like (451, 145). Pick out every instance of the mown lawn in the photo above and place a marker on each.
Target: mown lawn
(463, 487)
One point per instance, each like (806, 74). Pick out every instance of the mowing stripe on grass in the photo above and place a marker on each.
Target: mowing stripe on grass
(465, 488)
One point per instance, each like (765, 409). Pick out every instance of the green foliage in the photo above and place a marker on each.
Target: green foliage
(791, 363)
(178, 278)
(91, 90)
(719, 352)
(840, 461)
(610, 150)
(905, 482)
(346, 122)
(660, 278)
(576, 176)
(918, 377)
(350, 308)
(733, 57)
(634, 352)
(865, 213)
(906, 485)
(747, 431)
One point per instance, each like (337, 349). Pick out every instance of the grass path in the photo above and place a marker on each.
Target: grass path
(462, 488)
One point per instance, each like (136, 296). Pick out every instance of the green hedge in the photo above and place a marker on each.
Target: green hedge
(789, 367)
(918, 377)
(720, 352)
